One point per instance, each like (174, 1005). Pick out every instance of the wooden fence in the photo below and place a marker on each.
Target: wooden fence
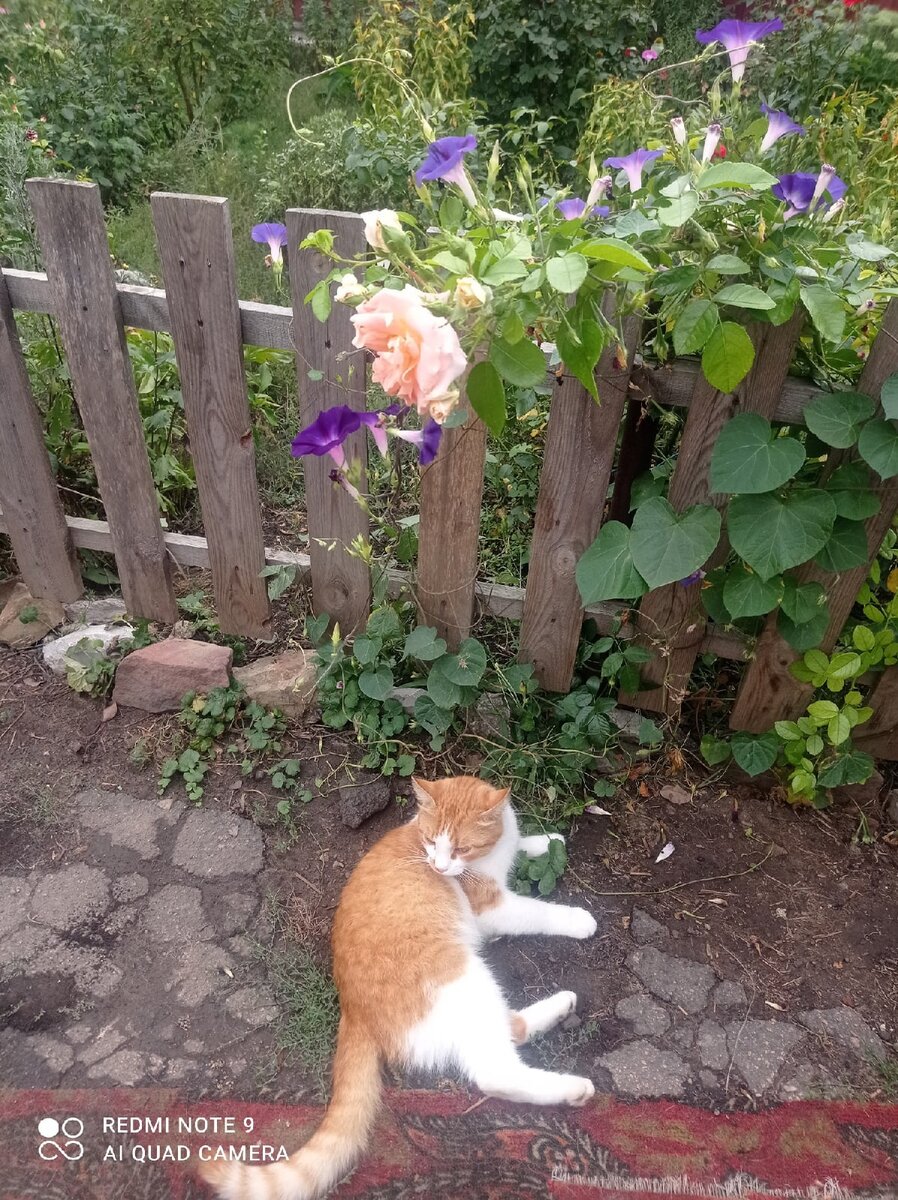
(209, 325)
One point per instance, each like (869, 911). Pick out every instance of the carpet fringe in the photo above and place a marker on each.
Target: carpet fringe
(731, 1189)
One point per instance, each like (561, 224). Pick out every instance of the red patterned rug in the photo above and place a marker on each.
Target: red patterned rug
(120, 1144)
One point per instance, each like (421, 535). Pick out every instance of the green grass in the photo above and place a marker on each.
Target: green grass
(227, 163)
(306, 997)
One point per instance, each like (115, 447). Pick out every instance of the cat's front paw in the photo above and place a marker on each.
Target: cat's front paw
(579, 923)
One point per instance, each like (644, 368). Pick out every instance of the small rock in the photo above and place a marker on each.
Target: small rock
(759, 1049)
(68, 898)
(571, 1022)
(639, 1069)
(647, 1016)
(728, 994)
(41, 615)
(628, 724)
(206, 847)
(712, 1046)
(677, 980)
(109, 635)
(645, 929)
(859, 793)
(285, 681)
(408, 697)
(891, 809)
(157, 677)
(99, 611)
(490, 717)
(360, 800)
(845, 1026)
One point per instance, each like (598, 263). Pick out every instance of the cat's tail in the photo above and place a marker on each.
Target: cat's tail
(332, 1150)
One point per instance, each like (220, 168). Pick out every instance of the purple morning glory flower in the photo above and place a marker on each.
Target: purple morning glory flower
(801, 189)
(333, 426)
(693, 578)
(779, 124)
(275, 235)
(632, 165)
(445, 160)
(427, 440)
(650, 54)
(736, 38)
(574, 207)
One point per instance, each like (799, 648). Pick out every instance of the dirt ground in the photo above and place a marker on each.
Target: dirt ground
(787, 903)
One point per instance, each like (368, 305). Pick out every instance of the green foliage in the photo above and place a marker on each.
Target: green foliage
(548, 57)
(204, 720)
(543, 871)
(88, 668)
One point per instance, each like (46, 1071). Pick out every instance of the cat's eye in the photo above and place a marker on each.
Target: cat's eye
(462, 849)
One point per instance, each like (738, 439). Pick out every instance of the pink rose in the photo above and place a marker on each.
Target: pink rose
(418, 354)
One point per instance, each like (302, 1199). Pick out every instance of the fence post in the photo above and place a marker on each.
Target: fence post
(341, 583)
(769, 692)
(449, 530)
(69, 219)
(579, 454)
(197, 253)
(29, 498)
(671, 618)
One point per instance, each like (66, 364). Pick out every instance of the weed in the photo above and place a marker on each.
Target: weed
(887, 1070)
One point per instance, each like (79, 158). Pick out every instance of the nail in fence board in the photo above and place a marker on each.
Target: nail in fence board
(29, 498)
(449, 530)
(580, 444)
(769, 692)
(672, 618)
(72, 233)
(341, 584)
(197, 254)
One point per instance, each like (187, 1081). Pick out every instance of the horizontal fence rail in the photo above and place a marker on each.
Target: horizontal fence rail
(592, 455)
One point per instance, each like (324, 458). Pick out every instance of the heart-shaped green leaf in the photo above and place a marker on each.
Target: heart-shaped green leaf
(803, 635)
(442, 691)
(846, 547)
(849, 487)
(837, 418)
(744, 295)
(667, 545)
(376, 684)
(605, 571)
(745, 594)
(802, 601)
(579, 350)
(613, 250)
(749, 457)
(774, 533)
(467, 665)
(736, 175)
(878, 446)
(755, 752)
(727, 356)
(422, 643)
(889, 397)
(566, 272)
(678, 211)
(694, 326)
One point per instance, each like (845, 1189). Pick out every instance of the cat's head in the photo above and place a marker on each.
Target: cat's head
(459, 819)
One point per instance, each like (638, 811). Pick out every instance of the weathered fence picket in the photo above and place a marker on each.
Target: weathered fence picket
(29, 497)
(769, 692)
(329, 371)
(449, 530)
(580, 443)
(197, 253)
(72, 233)
(671, 618)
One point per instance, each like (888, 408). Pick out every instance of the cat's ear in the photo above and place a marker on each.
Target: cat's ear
(424, 797)
(500, 797)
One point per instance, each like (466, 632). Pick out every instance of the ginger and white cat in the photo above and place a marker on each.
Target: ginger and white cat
(414, 990)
